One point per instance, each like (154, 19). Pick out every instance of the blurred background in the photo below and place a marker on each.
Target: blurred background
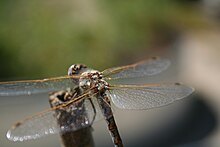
(42, 38)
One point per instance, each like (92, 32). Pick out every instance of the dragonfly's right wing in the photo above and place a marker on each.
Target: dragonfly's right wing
(147, 96)
(45, 123)
(148, 67)
(37, 86)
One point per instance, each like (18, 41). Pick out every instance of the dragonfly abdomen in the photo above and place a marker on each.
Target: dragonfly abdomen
(105, 106)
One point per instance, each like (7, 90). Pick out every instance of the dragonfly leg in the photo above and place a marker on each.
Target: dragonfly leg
(94, 110)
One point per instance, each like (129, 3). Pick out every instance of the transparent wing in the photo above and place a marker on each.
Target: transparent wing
(147, 96)
(45, 123)
(37, 86)
(148, 67)
(34, 127)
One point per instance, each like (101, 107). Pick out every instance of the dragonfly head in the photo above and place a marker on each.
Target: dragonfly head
(76, 69)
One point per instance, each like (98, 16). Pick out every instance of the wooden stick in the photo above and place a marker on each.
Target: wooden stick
(71, 117)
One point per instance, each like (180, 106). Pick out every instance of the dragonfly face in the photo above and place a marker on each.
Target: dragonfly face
(83, 85)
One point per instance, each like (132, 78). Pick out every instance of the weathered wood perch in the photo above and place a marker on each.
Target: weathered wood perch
(70, 118)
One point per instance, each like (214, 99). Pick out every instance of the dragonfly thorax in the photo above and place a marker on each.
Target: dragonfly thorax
(90, 78)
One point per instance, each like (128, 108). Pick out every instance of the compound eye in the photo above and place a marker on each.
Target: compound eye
(71, 70)
(75, 69)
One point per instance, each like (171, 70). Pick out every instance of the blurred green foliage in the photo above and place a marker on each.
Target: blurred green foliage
(44, 37)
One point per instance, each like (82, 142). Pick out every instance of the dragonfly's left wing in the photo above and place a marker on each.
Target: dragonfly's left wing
(34, 127)
(147, 67)
(147, 96)
(45, 123)
(28, 87)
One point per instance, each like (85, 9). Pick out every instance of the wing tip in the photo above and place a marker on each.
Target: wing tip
(188, 90)
(189, 87)
(14, 138)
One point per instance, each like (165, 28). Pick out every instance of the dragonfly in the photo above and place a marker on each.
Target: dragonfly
(85, 93)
